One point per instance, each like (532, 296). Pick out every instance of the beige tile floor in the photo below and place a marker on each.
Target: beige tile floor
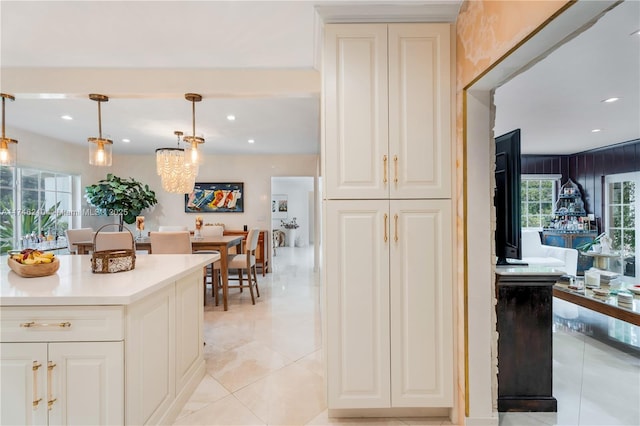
(264, 362)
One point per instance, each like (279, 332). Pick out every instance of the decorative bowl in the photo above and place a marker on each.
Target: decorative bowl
(33, 271)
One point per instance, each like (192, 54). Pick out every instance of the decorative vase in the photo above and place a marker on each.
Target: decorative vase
(291, 237)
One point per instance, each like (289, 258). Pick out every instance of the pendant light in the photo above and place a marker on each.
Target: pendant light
(178, 175)
(100, 150)
(8, 147)
(192, 153)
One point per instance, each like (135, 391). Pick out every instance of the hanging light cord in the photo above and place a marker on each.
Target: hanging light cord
(99, 120)
(3, 117)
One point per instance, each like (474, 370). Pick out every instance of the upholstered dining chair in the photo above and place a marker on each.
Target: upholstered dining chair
(77, 235)
(212, 231)
(114, 241)
(247, 262)
(212, 270)
(170, 242)
(172, 228)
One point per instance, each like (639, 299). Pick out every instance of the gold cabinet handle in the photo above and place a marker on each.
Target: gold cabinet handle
(32, 324)
(36, 400)
(395, 219)
(50, 398)
(384, 168)
(385, 227)
(395, 163)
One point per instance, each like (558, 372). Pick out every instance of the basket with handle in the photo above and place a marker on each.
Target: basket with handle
(111, 261)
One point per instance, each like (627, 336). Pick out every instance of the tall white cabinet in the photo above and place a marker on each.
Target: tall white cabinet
(388, 233)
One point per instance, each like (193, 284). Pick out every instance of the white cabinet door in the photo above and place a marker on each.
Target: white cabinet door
(419, 111)
(189, 333)
(421, 297)
(357, 280)
(86, 380)
(150, 367)
(355, 111)
(23, 374)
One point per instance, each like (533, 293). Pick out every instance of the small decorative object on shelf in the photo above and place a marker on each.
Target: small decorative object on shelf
(140, 226)
(197, 233)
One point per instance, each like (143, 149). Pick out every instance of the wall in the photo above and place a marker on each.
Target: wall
(297, 190)
(255, 171)
(485, 31)
(588, 168)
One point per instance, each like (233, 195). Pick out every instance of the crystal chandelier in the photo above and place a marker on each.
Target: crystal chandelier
(8, 147)
(100, 150)
(192, 151)
(177, 173)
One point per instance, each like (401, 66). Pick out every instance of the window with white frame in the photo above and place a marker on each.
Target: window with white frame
(622, 209)
(35, 203)
(537, 198)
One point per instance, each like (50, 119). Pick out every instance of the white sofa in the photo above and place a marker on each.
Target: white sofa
(536, 254)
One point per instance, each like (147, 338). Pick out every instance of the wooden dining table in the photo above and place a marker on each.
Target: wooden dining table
(221, 243)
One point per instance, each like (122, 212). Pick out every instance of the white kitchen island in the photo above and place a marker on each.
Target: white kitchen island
(84, 348)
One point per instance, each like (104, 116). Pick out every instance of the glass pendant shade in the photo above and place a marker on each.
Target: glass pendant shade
(8, 147)
(100, 152)
(100, 148)
(178, 175)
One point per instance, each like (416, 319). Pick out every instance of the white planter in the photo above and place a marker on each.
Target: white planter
(291, 237)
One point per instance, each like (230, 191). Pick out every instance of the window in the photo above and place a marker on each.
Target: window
(33, 203)
(621, 211)
(537, 198)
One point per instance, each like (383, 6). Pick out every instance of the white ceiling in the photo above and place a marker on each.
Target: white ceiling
(259, 61)
(558, 102)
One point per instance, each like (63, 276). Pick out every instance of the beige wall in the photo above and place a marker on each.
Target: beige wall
(485, 32)
(255, 171)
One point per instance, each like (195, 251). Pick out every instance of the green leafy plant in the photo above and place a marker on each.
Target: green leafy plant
(115, 196)
(586, 246)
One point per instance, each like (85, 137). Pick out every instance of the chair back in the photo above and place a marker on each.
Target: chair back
(113, 241)
(172, 228)
(178, 242)
(76, 235)
(212, 231)
(252, 240)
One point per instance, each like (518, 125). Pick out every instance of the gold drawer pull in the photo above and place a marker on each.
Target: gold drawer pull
(50, 398)
(36, 400)
(385, 228)
(384, 168)
(31, 324)
(395, 162)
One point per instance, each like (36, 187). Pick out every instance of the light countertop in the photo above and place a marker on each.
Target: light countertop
(75, 284)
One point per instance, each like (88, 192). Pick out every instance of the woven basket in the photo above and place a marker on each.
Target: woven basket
(111, 261)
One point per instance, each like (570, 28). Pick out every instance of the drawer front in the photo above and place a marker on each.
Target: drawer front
(62, 323)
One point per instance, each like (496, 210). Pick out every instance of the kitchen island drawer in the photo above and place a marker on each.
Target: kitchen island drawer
(62, 324)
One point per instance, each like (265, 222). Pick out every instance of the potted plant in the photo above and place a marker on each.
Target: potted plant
(593, 245)
(123, 197)
(291, 227)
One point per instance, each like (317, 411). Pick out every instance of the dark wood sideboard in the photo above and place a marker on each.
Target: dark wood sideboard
(525, 346)
(262, 252)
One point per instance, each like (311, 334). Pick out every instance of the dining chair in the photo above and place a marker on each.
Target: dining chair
(113, 240)
(212, 231)
(247, 262)
(213, 269)
(172, 228)
(170, 242)
(76, 235)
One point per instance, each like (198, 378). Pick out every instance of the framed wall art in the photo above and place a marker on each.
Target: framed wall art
(279, 207)
(215, 198)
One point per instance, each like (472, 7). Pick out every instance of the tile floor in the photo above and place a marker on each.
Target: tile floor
(264, 364)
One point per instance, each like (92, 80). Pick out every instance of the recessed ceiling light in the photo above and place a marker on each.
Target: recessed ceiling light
(125, 140)
(636, 32)
(251, 141)
(67, 117)
(231, 117)
(596, 130)
(611, 100)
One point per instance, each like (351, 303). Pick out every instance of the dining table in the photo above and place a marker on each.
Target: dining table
(220, 243)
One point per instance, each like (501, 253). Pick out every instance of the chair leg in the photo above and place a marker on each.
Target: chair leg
(215, 286)
(253, 299)
(255, 278)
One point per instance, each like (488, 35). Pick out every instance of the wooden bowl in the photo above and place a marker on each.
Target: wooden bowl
(33, 271)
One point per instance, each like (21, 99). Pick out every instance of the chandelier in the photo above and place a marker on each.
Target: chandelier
(100, 150)
(177, 173)
(192, 151)
(8, 147)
